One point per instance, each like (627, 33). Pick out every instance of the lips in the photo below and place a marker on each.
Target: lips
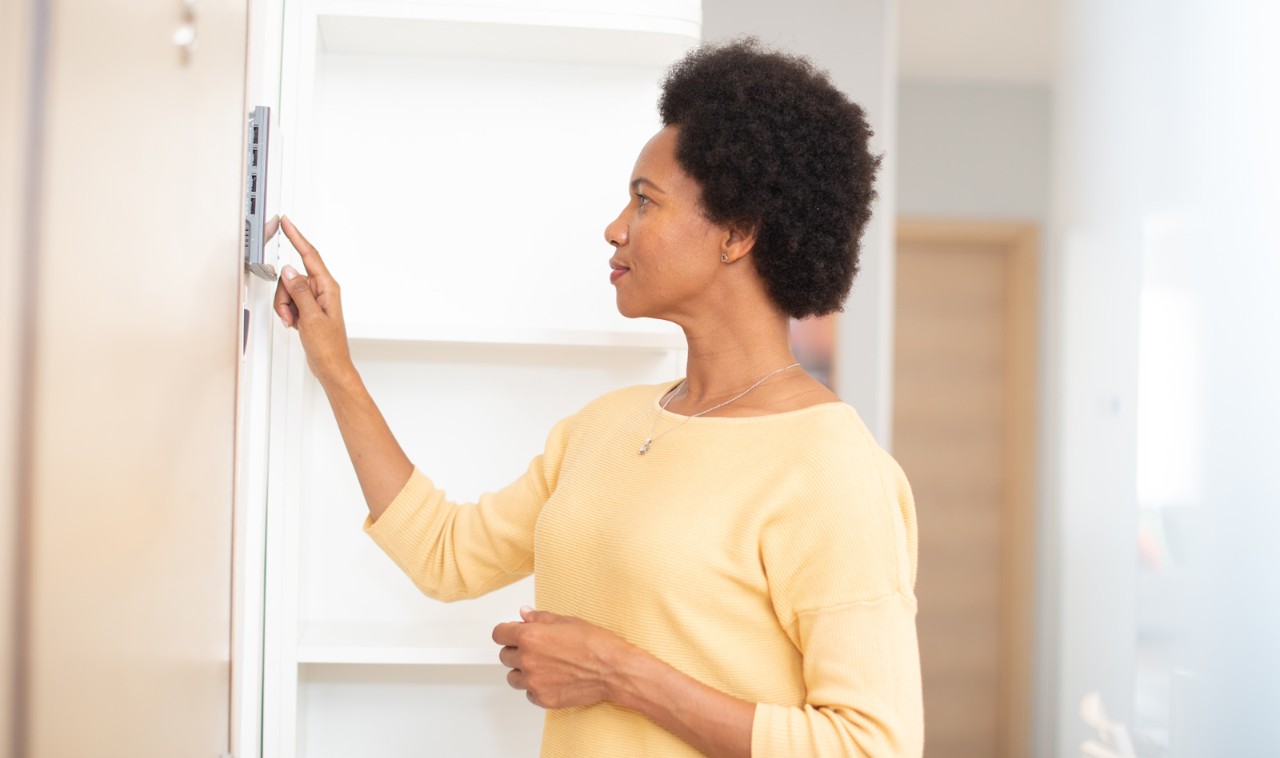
(617, 272)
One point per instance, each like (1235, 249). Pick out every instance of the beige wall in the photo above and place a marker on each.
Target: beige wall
(14, 74)
(133, 383)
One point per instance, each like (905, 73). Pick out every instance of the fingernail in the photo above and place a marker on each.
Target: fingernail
(288, 272)
(526, 609)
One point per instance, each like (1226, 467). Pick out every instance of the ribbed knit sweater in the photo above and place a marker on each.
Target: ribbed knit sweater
(770, 557)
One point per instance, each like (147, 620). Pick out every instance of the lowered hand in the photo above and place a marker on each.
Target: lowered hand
(559, 661)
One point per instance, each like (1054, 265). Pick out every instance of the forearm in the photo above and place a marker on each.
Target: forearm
(380, 463)
(312, 304)
(715, 723)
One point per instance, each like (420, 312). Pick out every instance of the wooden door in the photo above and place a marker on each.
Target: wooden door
(963, 432)
(129, 208)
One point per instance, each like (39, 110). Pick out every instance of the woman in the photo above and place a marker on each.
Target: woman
(724, 564)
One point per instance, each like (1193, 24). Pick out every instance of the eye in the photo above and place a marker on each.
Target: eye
(643, 200)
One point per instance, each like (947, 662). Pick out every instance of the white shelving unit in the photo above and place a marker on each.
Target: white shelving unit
(456, 165)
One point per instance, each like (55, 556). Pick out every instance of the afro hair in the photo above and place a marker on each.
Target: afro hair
(776, 148)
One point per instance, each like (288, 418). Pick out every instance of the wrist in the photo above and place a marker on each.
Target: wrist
(713, 722)
(628, 667)
(340, 378)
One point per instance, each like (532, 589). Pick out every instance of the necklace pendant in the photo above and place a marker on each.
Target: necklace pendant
(645, 447)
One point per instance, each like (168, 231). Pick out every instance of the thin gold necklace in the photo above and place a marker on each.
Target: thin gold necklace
(649, 440)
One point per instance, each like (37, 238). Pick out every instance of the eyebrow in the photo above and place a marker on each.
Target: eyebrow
(635, 184)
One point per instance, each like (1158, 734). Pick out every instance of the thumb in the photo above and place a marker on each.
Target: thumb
(529, 614)
(300, 291)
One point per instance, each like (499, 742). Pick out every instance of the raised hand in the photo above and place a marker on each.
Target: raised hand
(312, 304)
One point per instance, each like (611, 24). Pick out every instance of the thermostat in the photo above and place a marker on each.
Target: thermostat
(258, 228)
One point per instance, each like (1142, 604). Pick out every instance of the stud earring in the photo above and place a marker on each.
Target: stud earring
(724, 257)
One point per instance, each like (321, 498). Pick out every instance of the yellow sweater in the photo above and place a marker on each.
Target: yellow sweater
(771, 557)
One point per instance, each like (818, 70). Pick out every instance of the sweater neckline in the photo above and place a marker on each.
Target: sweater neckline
(667, 388)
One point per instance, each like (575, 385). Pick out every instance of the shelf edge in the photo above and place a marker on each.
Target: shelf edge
(552, 338)
(327, 655)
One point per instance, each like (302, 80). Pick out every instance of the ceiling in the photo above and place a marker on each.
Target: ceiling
(977, 40)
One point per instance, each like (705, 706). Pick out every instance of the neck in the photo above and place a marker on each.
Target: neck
(735, 352)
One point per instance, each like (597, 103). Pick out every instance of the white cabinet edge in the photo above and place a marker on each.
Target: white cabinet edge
(448, 643)
(502, 336)
(670, 16)
(330, 655)
(636, 35)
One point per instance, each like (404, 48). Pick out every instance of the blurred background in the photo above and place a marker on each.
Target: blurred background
(1066, 330)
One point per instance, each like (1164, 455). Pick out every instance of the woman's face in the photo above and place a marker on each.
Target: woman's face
(666, 251)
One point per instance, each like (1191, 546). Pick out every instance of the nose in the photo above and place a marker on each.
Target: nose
(616, 232)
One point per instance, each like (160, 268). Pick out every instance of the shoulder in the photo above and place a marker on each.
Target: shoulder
(835, 448)
(832, 440)
(832, 447)
(853, 504)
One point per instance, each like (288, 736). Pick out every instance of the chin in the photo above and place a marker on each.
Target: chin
(629, 310)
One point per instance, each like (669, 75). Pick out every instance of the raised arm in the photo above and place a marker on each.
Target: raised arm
(312, 304)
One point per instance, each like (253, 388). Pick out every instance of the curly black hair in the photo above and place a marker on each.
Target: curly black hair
(777, 148)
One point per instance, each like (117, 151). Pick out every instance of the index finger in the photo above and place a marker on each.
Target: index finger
(506, 633)
(310, 258)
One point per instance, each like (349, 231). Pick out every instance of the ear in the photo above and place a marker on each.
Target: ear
(739, 240)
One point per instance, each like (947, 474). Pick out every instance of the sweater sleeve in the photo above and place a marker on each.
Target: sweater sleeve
(455, 551)
(841, 571)
(862, 671)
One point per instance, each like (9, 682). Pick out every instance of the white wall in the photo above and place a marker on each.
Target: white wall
(1165, 165)
(1227, 152)
(973, 150)
(856, 41)
(1096, 252)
